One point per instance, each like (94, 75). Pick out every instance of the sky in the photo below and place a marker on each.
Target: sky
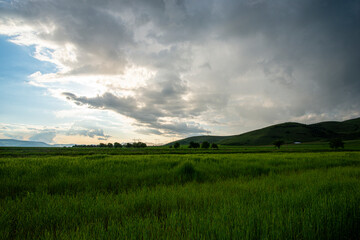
(93, 71)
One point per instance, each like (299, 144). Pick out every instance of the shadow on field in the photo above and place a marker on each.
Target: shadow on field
(187, 172)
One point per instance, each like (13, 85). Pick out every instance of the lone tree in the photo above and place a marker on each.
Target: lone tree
(278, 143)
(110, 145)
(205, 144)
(336, 143)
(177, 145)
(214, 146)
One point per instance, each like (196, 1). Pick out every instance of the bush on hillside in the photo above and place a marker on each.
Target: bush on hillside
(336, 143)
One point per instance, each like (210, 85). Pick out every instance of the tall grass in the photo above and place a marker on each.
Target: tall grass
(224, 196)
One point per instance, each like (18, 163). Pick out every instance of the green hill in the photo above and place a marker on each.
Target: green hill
(289, 132)
(199, 139)
(347, 130)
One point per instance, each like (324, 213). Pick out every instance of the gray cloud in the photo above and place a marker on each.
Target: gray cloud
(87, 132)
(102, 138)
(148, 131)
(247, 61)
(86, 128)
(163, 97)
(46, 136)
(18, 136)
(148, 109)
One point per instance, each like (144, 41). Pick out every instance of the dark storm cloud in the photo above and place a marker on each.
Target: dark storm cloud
(309, 53)
(318, 37)
(265, 61)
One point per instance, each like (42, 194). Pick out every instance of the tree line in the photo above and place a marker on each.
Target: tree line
(193, 144)
(334, 143)
(115, 145)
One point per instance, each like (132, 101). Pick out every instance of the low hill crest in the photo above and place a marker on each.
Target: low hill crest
(289, 132)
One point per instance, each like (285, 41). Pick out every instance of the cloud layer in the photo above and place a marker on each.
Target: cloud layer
(49, 134)
(193, 67)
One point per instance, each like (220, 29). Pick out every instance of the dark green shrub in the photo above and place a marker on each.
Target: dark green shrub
(336, 143)
(214, 146)
(205, 144)
(193, 144)
(117, 145)
(278, 143)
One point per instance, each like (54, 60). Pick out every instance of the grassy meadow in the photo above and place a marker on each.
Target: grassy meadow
(169, 195)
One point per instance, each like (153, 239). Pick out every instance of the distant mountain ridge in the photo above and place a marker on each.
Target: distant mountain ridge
(21, 143)
(289, 132)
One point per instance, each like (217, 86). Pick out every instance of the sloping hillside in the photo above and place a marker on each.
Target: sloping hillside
(347, 130)
(289, 132)
(212, 139)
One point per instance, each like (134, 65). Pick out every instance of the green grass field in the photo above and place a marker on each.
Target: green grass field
(287, 194)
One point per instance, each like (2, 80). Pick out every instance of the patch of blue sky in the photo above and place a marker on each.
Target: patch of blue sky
(21, 102)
